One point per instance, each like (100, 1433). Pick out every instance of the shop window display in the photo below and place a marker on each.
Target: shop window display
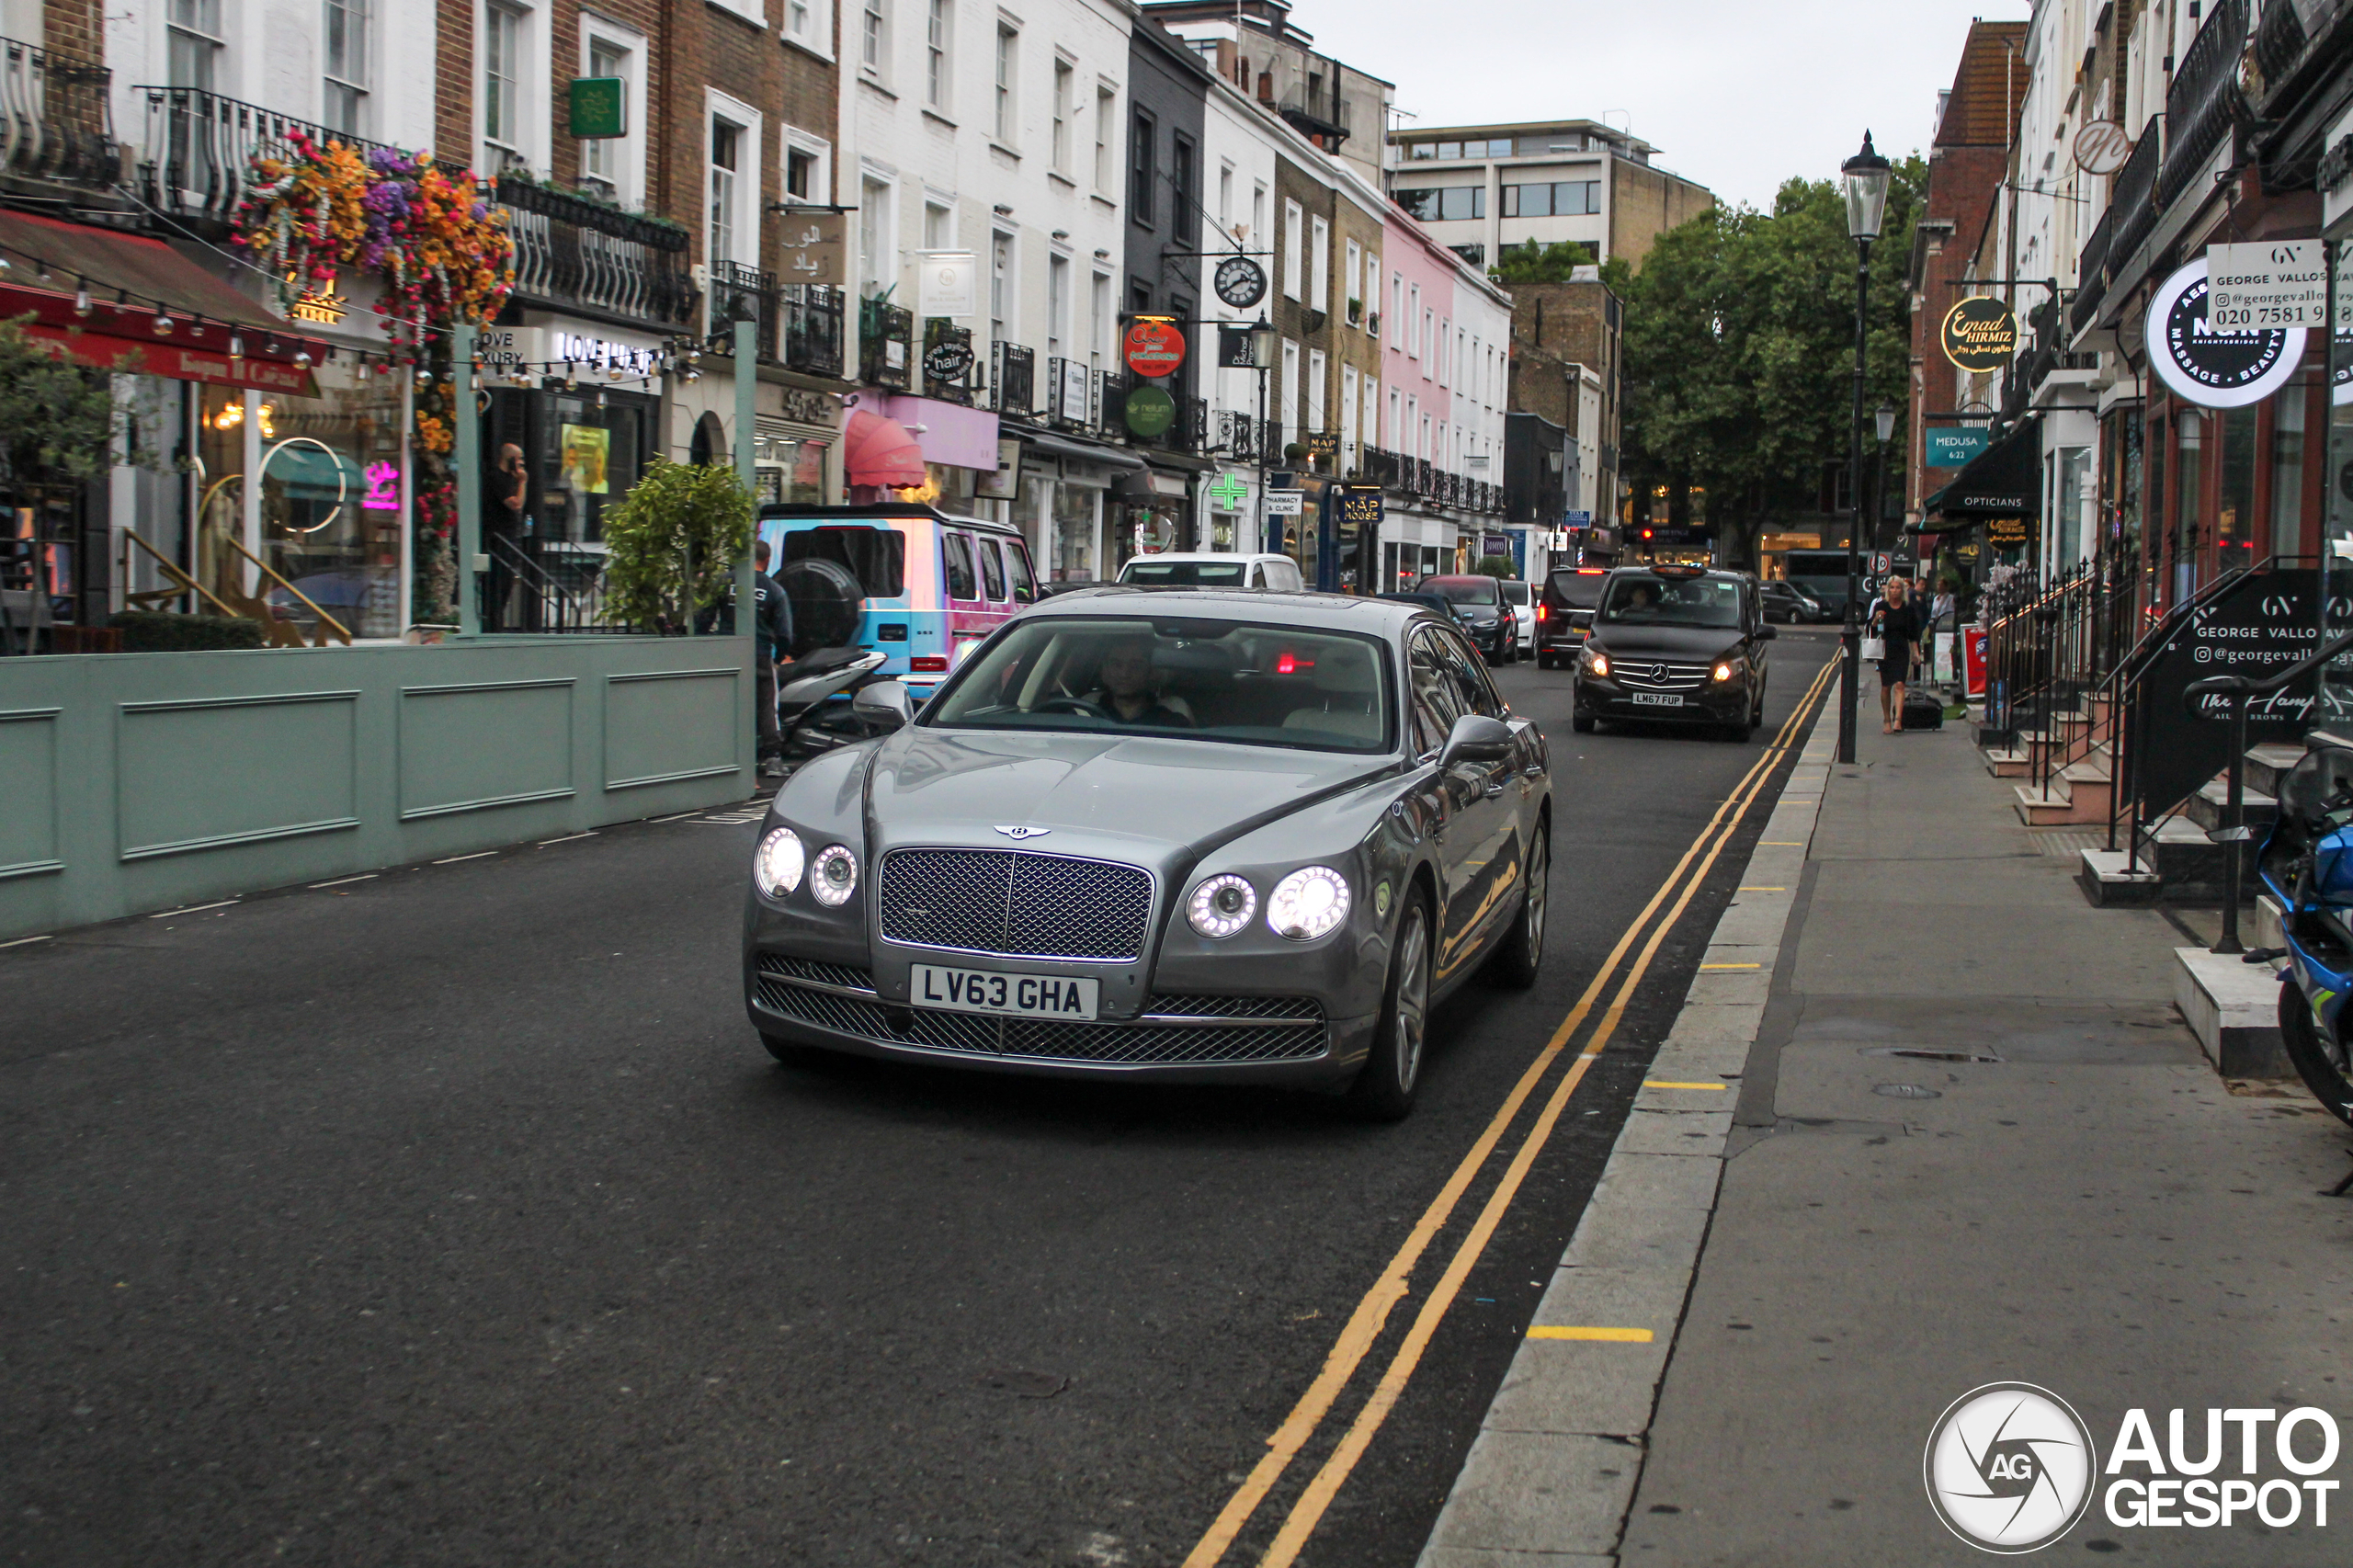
(1074, 522)
(333, 476)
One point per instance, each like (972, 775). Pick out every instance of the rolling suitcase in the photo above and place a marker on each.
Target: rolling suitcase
(1922, 711)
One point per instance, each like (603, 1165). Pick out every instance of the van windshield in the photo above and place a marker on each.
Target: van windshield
(876, 557)
(1187, 573)
(1679, 601)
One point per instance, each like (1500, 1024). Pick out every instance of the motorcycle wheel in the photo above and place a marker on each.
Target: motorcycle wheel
(2324, 1067)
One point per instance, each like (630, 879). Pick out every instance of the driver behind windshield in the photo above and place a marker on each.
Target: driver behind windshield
(1126, 693)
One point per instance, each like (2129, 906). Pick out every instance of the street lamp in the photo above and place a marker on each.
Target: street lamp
(1884, 420)
(1265, 344)
(1865, 174)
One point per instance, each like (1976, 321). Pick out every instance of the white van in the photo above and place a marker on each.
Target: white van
(1212, 569)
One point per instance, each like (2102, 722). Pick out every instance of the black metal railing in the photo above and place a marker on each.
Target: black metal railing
(744, 293)
(2134, 204)
(198, 158)
(2204, 103)
(55, 122)
(2280, 39)
(1322, 114)
(575, 255)
(1111, 388)
(2091, 273)
(813, 316)
(527, 590)
(1013, 379)
(886, 340)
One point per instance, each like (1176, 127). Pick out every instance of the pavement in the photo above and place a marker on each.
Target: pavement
(1971, 1142)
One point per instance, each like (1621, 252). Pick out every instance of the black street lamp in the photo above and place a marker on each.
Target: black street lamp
(1865, 176)
(1883, 421)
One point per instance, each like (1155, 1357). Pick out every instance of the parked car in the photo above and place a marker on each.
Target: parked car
(1479, 608)
(1787, 602)
(1523, 611)
(1564, 611)
(1254, 840)
(913, 583)
(1210, 569)
(1682, 645)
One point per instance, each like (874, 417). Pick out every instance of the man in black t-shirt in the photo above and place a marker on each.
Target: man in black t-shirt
(772, 647)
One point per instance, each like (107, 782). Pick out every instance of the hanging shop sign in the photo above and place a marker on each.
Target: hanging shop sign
(2007, 532)
(949, 359)
(948, 283)
(1227, 492)
(1981, 334)
(1154, 346)
(1150, 411)
(600, 107)
(1233, 352)
(2101, 147)
(1072, 402)
(2272, 283)
(1360, 505)
(1954, 446)
(809, 246)
(1240, 281)
(1323, 443)
(2215, 368)
(1286, 502)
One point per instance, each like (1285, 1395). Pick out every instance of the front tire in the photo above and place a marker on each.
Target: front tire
(1521, 956)
(1392, 1072)
(1581, 722)
(2326, 1069)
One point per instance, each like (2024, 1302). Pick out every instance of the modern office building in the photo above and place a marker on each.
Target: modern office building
(1480, 188)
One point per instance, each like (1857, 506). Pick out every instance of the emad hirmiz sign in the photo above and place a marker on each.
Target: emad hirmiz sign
(2212, 369)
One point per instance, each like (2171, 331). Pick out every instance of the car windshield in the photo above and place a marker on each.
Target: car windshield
(1187, 573)
(1672, 601)
(1193, 680)
(1461, 590)
(1581, 590)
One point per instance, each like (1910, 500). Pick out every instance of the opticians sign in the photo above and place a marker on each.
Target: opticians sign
(2215, 368)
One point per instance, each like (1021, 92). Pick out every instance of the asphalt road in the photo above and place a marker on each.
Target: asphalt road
(456, 1216)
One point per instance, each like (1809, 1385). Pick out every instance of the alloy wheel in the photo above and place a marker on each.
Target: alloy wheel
(1539, 867)
(1413, 995)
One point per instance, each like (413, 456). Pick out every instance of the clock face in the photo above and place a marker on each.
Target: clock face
(1240, 282)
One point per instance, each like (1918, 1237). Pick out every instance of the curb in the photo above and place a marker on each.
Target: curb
(1550, 1477)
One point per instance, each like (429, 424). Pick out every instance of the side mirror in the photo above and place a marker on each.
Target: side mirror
(1476, 738)
(883, 707)
(1764, 632)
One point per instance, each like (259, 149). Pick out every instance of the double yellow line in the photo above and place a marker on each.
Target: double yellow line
(1364, 1327)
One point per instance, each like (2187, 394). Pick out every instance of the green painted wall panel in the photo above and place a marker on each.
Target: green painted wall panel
(665, 726)
(29, 786)
(206, 773)
(477, 745)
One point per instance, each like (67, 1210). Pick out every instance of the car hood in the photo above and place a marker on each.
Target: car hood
(1132, 798)
(1665, 642)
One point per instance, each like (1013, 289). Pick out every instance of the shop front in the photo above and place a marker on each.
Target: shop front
(1066, 505)
(1150, 513)
(796, 443)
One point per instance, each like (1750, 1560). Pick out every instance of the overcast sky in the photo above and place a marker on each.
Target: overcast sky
(1737, 95)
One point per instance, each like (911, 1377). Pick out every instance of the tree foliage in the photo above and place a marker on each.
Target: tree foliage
(58, 419)
(1740, 348)
(673, 511)
(1531, 262)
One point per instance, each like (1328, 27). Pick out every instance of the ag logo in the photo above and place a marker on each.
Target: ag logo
(2009, 1467)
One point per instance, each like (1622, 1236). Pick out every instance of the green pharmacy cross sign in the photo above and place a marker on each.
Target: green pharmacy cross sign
(1229, 492)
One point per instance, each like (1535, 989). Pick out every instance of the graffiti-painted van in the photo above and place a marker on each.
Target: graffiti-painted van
(900, 577)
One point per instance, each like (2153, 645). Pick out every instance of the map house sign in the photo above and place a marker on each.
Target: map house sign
(1981, 335)
(2212, 369)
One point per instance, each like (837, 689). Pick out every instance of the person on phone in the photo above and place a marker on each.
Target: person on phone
(1895, 621)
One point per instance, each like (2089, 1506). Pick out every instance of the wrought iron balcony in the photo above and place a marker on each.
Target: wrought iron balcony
(743, 293)
(1239, 437)
(2091, 273)
(55, 120)
(573, 255)
(2134, 205)
(2204, 104)
(1013, 379)
(812, 328)
(1324, 114)
(886, 344)
(197, 161)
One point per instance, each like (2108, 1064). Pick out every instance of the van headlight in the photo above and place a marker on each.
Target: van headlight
(1597, 661)
(833, 876)
(1309, 902)
(1726, 669)
(780, 862)
(1222, 905)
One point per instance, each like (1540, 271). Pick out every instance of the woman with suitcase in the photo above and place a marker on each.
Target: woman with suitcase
(1895, 628)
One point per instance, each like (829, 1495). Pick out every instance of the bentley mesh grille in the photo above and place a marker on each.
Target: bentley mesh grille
(1173, 1006)
(840, 974)
(1036, 1040)
(1016, 903)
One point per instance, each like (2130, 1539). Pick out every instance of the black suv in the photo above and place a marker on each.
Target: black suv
(1479, 608)
(1680, 643)
(1564, 612)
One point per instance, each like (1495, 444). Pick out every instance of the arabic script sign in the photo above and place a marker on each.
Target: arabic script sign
(811, 247)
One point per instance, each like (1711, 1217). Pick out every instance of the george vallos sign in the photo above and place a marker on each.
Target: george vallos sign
(1981, 335)
(2211, 368)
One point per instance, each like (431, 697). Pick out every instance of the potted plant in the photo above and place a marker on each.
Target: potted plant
(679, 522)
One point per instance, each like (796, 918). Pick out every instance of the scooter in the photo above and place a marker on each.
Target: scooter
(813, 712)
(2306, 864)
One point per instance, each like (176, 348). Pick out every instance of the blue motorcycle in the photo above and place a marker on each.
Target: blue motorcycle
(2307, 865)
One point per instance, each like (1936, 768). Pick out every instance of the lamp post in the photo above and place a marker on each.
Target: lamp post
(1883, 421)
(1264, 344)
(1865, 174)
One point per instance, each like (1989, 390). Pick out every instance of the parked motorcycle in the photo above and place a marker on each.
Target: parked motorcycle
(814, 709)
(2307, 865)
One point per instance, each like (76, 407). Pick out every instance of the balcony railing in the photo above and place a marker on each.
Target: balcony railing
(2134, 206)
(1013, 379)
(886, 344)
(1442, 487)
(1324, 114)
(2204, 104)
(197, 161)
(812, 328)
(55, 120)
(573, 255)
(2091, 273)
(743, 293)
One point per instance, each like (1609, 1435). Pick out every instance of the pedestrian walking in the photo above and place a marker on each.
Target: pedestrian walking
(1895, 625)
(772, 644)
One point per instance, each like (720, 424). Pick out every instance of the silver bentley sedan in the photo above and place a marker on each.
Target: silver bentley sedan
(1199, 836)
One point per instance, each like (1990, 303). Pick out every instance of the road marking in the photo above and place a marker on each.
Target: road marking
(1779, 843)
(679, 817)
(1364, 1327)
(1759, 887)
(1663, 1084)
(193, 909)
(339, 882)
(25, 942)
(455, 858)
(567, 838)
(1730, 966)
(1610, 1336)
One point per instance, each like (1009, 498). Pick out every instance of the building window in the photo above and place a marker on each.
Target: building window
(936, 27)
(1098, 337)
(1319, 265)
(804, 25)
(1065, 74)
(726, 150)
(1000, 285)
(1143, 137)
(1225, 199)
(1476, 254)
(1397, 310)
(1557, 199)
(1414, 318)
(801, 175)
(1258, 214)
(1008, 42)
(1445, 203)
(502, 107)
(1289, 391)
(195, 44)
(938, 226)
(1354, 282)
(600, 156)
(1318, 367)
(1294, 247)
(1057, 306)
(1371, 287)
(1106, 102)
(873, 38)
(346, 64)
(1180, 179)
(876, 270)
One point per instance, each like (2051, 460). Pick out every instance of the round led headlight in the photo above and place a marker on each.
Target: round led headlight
(1599, 663)
(1309, 902)
(834, 875)
(1222, 907)
(778, 862)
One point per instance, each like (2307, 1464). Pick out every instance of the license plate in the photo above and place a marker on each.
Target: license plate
(1015, 996)
(1656, 698)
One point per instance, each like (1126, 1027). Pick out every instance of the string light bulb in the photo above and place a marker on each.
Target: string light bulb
(237, 347)
(162, 325)
(81, 297)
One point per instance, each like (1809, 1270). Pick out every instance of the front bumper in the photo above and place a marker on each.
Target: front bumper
(1717, 702)
(1187, 1038)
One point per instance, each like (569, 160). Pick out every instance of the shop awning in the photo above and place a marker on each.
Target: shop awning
(1080, 451)
(2003, 480)
(877, 451)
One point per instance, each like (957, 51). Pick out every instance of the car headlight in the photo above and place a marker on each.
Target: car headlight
(1599, 663)
(1222, 905)
(834, 877)
(778, 862)
(1724, 669)
(1309, 902)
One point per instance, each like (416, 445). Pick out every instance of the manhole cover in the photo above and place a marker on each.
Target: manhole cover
(1926, 1053)
(1906, 1092)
